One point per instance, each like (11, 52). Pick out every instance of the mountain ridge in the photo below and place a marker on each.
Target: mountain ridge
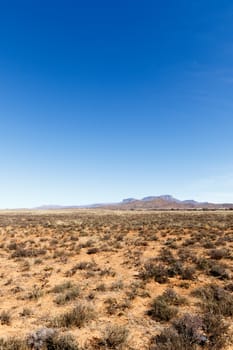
(150, 202)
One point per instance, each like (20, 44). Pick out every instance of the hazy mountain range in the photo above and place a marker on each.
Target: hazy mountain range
(150, 202)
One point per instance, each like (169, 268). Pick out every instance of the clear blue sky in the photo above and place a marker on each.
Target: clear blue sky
(102, 100)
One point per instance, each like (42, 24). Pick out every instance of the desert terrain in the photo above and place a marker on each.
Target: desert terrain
(102, 279)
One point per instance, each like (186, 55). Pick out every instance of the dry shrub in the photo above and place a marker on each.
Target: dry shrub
(49, 339)
(154, 270)
(76, 317)
(5, 317)
(215, 300)
(13, 344)
(114, 337)
(162, 308)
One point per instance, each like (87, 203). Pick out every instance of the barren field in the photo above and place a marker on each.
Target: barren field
(95, 279)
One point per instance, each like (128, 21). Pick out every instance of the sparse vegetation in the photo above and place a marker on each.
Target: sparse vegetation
(116, 280)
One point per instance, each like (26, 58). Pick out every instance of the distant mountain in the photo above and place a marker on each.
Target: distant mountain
(49, 207)
(191, 202)
(151, 202)
(129, 200)
(166, 197)
(166, 202)
(57, 207)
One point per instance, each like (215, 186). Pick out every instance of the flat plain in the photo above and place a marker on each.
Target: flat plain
(101, 279)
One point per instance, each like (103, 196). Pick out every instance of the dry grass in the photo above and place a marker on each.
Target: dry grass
(95, 279)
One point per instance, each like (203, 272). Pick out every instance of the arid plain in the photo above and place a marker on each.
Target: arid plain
(101, 279)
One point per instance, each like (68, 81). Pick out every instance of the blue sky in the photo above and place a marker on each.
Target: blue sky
(102, 100)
